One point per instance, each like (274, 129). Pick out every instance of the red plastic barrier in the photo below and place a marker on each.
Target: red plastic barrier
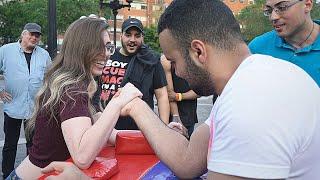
(132, 143)
(131, 157)
(101, 168)
(134, 155)
(134, 166)
(107, 152)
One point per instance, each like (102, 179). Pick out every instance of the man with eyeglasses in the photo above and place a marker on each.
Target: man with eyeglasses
(23, 64)
(295, 37)
(136, 63)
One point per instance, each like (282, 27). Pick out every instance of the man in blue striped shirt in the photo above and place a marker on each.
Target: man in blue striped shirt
(23, 64)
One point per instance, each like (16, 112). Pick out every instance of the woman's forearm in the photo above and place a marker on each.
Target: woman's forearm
(94, 138)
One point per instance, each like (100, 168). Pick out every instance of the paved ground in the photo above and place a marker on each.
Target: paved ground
(203, 111)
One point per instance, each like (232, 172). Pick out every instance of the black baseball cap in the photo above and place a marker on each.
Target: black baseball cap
(132, 22)
(32, 27)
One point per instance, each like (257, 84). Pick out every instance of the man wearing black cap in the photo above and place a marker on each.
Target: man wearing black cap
(136, 63)
(23, 64)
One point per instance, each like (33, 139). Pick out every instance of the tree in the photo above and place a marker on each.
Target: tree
(315, 13)
(11, 18)
(252, 21)
(16, 13)
(70, 10)
(151, 38)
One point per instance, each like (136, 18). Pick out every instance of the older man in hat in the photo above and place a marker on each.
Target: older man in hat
(136, 63)
(23, 64)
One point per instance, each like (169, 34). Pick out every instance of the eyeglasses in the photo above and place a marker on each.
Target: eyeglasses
(110, 48)
(279, 8)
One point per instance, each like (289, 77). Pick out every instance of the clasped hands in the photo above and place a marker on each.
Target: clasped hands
(129, 95)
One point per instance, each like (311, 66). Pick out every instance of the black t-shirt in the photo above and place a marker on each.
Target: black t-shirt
(112, 77)
(28, 59)
(187, 108)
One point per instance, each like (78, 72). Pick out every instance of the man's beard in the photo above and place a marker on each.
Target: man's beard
(124, 47)
(199, 80)
(30, 47)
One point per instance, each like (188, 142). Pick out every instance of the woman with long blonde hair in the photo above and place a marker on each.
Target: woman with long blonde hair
(64, 123)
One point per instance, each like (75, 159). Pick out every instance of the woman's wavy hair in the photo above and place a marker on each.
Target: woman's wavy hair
(82, 46)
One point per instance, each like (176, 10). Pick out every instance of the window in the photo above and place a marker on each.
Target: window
(156, 8)
(136, 6)
(143, 7)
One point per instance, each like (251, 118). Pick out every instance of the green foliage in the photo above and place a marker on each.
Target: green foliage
(70, 10)
(11, 17)
(16, 13)
(252, 21)
(152, 39)
(315, 13)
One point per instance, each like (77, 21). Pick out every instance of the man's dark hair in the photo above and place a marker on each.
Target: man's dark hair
(210, 21)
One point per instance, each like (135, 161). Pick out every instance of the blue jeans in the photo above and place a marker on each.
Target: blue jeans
(13, 176)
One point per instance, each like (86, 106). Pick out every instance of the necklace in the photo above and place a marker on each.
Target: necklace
(307, 36)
